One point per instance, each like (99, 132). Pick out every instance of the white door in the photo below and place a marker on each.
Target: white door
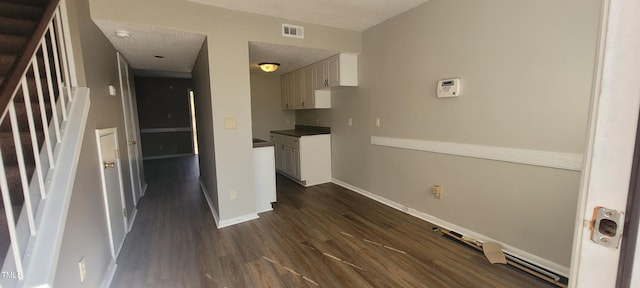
(610, 147)
(130, 128)
(112, 189)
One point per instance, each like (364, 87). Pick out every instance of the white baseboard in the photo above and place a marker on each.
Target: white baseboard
(209, 202)
(238, 220)
(264, 208)
(144, 190)
(133, 218)
(108, 274)
(227, 222)
(539, 261)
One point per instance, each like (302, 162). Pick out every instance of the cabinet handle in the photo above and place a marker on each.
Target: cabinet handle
(302, 103)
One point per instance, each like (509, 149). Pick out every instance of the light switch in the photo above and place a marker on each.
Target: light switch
(230, 123)
(378, 122)
(112, 90)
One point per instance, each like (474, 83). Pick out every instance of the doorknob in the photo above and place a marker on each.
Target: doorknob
(109, 165)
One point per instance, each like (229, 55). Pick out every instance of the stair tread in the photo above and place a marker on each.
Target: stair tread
(22, 11)
(12, 44)
(6, 62)
(15, 26)
(33, 3)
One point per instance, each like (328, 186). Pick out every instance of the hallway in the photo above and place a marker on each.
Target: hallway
(322, 236)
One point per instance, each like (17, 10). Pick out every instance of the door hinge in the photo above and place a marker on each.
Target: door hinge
(124, 212)
(117, 152)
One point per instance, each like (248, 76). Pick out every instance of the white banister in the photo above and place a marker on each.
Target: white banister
(58, 70)
(43, 118)
(32, 127)
(35, 226)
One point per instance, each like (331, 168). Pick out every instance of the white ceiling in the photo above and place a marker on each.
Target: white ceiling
(357, 15)
(180, 49)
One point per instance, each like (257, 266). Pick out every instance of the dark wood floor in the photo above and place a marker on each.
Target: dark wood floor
(319, 236)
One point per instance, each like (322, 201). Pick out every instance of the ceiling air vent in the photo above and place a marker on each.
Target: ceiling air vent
(294, 31)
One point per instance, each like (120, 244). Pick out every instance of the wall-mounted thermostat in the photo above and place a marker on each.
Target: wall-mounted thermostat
(448, 88)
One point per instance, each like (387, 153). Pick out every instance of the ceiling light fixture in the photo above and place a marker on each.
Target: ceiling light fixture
(269, 66)
(123, 34)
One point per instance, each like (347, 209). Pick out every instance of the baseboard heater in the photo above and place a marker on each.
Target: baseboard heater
(518, 263)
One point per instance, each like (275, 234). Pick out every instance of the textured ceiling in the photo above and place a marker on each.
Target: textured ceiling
(178, 48)
(289, 57)
(357, 15)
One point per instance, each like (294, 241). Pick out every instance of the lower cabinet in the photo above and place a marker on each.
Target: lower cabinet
(305, 159)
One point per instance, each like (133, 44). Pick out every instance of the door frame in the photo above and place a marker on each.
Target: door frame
(99, 133)
(609, 151)
(129, 126)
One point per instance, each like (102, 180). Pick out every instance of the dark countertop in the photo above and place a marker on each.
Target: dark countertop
(257, 143)
(302, 130)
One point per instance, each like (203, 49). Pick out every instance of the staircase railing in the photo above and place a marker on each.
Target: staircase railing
(41, 93)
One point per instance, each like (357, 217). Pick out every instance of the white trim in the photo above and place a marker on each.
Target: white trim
(108, 274)
(541, 158)
(144, 190)
(167, 156)
(209, 202)
(166, 130)
(132, 219)
(238, 220)
(41, 266)
(264, 208)
(228, 222)
(547, 264)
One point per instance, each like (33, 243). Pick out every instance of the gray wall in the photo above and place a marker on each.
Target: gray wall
(230, 80)
(85, 233)
(526, 69)
(164, 103)
(204, 119)
(266, 107)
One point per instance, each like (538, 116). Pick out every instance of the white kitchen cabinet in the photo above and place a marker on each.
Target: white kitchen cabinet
(292, 85)
(338, 70)
(312, 98)
(305, 159)
(285, 81)
(310, 87)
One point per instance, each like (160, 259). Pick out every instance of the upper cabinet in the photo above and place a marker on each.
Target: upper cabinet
(310, 87)
(339, 70)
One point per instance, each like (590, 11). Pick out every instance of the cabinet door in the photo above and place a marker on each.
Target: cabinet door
(297, 89)
(295, 163)
(321, 74)
(285, 81)
(308, 101)
(333, 71)
(287, 162)
(279, 151)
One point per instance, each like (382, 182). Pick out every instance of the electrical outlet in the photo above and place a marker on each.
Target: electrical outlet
(82, 265)
(437, 191)
(350, 122)
(377, 122)
(233, 194)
